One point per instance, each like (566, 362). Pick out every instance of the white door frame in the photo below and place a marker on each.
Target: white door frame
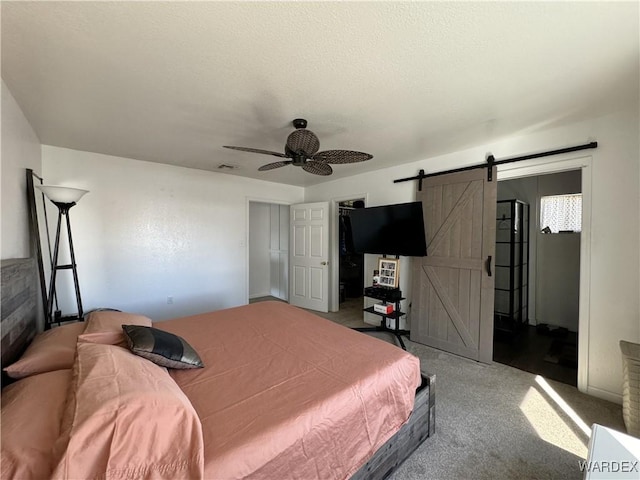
(544, 166)
(334, 247)
(248, 200)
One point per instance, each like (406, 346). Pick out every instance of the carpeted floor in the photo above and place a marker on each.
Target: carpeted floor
(497, 422)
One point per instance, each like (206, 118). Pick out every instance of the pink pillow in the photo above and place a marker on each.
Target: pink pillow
(105, 338)
(31, 413)
(127, 418)
(52, 350)
(105, 326)
(111, 321)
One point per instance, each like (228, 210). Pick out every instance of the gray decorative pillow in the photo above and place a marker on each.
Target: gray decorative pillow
(163, 348)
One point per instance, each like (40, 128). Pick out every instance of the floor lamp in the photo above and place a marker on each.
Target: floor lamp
(64, 198)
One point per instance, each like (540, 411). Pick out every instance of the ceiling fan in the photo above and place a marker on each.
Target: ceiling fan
(302, 148)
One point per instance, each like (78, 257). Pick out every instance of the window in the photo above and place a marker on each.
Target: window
(561, 213)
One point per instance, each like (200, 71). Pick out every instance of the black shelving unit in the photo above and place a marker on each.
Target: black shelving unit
(395, 315)
(511, 306)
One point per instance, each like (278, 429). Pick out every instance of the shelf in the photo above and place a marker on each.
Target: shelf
(512, 265)
(64, 267)
(382, 299)
(395, 314)
(67, 318)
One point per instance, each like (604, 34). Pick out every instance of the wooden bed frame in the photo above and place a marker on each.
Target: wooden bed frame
(18, 308)
(19, 311)
(421, 424)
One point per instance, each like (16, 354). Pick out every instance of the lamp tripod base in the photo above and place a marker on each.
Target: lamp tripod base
(56, 316)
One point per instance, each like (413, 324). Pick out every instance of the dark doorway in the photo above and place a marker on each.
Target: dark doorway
(351, 274)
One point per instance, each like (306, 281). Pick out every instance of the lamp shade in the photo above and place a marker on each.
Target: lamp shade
(62, 194)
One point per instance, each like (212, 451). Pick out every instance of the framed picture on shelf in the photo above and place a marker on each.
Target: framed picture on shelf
(388, 269)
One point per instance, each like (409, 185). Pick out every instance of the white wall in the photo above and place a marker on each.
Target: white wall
(614, 310)
(558, 287)
(20, 150)
(147, 231)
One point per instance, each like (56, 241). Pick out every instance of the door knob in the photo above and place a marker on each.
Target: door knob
(324, 263)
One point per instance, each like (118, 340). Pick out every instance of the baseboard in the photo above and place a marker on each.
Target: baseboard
(604, 394)
(258, 295)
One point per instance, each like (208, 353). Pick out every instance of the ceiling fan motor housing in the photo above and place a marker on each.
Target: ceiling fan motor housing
(297, 158)
(300, 123)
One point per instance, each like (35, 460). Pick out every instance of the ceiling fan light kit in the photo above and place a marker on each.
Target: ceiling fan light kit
(302, 149)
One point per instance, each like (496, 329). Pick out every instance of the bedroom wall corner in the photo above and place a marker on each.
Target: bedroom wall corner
(155, 239)
(20, 149)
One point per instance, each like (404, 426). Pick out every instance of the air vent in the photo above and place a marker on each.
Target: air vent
(224, 166)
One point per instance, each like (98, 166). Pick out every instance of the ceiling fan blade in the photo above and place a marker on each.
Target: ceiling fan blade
(271, 166)
(257, 150)
(341, 156)
(317, 168)
(305, 140)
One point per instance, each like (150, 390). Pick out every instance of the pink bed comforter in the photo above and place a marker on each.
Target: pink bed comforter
(287, 394)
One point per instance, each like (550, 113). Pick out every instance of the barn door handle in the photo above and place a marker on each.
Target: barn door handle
(489, 265)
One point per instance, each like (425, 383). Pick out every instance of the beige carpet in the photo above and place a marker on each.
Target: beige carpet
(497, 422)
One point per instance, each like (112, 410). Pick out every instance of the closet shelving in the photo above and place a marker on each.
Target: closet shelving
(511, 308)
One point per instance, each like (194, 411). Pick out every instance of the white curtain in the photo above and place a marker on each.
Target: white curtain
(561, 212)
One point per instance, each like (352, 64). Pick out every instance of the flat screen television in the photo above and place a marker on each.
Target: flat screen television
(389, 230)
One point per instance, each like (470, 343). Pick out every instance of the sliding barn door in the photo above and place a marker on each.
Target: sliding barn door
(453, 285)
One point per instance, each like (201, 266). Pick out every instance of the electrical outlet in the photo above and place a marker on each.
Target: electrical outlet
(169, 300)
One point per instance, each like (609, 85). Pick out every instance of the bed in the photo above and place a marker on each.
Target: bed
(283, 394)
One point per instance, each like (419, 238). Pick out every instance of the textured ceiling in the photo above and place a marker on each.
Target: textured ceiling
(172, 82)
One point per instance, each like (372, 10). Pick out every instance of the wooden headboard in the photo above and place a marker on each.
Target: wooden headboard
(18, 307)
